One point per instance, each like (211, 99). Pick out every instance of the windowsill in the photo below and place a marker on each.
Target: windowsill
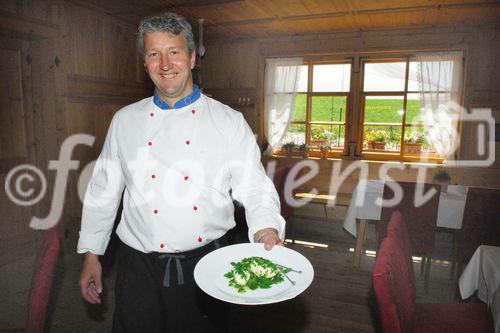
(370, 156)
(313, 154)
(396, 156)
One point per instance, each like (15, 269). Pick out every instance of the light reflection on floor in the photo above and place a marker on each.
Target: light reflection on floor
(416, 259)
(306, 244)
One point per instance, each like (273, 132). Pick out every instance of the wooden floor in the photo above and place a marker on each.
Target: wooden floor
(340, 299)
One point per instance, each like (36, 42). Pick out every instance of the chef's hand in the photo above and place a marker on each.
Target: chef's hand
(91, 279)
(269, 237)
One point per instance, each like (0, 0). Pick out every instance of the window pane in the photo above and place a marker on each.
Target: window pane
(386, 138)
(414, 77)
(299, 113)
(302, 86)
(384, 76)
(438, 74)
(338, 136)
(416, 141)
(384, 109)
(296, 133)
(413, 107)
(331, 78)
(329, 108)
(331, 135)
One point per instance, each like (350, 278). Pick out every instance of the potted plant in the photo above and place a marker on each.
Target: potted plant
(318, 137)
(393, 138)
(443, 178)
(376, 139)
(304, 149)
(288, 148)
(324, 150)
(413, 144)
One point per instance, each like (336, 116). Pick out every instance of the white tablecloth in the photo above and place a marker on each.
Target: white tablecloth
(483, 274)
(364, 205)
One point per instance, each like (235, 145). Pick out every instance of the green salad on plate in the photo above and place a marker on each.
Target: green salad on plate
(255, 272)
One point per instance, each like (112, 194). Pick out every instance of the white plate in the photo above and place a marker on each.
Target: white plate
(210, 270)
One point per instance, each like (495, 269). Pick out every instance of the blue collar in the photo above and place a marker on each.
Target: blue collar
(190, 99)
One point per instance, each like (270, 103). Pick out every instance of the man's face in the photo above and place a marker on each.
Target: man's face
(169, 65)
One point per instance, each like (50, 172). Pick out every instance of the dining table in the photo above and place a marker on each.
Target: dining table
(482, 274)
(366, 205)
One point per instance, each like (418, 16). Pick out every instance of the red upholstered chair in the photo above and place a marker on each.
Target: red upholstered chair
(395, 292)
(480, 224)
(421, 221)
(398, 229)
(279, 180)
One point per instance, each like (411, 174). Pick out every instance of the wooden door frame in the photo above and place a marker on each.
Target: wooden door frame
(44, 132)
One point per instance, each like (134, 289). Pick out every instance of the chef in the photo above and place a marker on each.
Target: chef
(178, 159)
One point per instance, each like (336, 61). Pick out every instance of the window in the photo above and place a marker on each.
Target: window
(319, 115)
(392, 121)
(406, 107)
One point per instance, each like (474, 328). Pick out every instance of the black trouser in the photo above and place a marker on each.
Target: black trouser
(144, 304)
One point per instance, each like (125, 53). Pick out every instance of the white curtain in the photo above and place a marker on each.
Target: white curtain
(282, 76)
(440, 82)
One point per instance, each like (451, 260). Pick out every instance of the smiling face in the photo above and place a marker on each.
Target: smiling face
(168, 63)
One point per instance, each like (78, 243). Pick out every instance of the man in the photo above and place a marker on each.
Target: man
(174, 157)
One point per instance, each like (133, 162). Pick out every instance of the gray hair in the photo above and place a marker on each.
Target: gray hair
(171, 23)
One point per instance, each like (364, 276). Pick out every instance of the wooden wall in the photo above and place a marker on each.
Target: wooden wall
(342, 176)
(75, 66)
(232, 65)
(78, 66)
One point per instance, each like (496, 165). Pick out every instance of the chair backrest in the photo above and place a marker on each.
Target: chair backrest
(421, 221)
(393, 285)
(279, 180)
(481, 222)
(398, 230)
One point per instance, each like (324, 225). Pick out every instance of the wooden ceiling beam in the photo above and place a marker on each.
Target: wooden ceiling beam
(172, 6)
(85, 4)
(201, 3)
(354, 13)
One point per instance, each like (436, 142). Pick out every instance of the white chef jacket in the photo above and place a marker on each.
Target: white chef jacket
(175, 168)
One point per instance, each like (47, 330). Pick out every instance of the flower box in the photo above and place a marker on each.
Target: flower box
(412, 148)
(376, 145)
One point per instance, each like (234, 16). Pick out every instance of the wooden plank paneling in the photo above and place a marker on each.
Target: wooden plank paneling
(79, 67)
(481, 177)
(101, 46)
(103, 74)
(26, 26)
(231, 65)
(323, 17)
(119, 52)
(12, 141)
(102, 120)
(9, 6)
(17, 239)
(87, 43)
(92, 119)
(213, 68)
(259, 18)
(85, 89)
(35, 9)
(481, 46)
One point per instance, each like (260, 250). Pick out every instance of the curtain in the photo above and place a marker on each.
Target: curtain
(440, 82)
(282, 76)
